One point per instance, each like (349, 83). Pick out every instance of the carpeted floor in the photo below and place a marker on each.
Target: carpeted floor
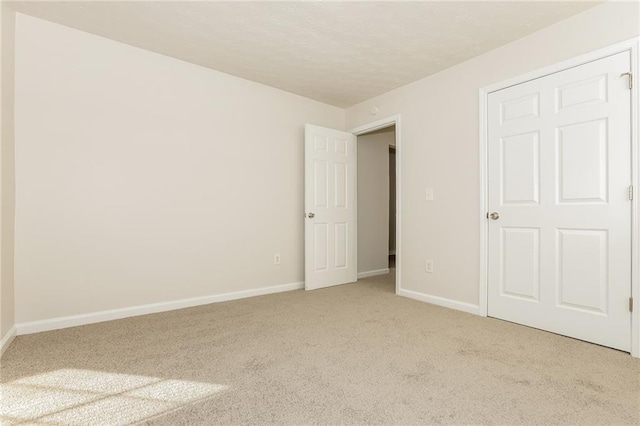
(351, 354)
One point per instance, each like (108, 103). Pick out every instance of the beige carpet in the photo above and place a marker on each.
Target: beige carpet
(351, 354)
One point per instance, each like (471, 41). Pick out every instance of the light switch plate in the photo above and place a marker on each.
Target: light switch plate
(429, 194)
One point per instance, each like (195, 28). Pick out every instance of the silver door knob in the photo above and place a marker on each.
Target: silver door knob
(494, 216)
(311, 215)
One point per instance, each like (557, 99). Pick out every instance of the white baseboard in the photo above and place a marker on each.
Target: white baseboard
(7, 339)
(95, 317)
(373, 273)
(441, 301)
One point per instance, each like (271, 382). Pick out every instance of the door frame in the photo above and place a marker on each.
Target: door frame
(632, 46)
(367, 128)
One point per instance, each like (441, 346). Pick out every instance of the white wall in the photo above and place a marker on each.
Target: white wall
(373, 199)
(440, 145)
(7, 206)
(144, 179)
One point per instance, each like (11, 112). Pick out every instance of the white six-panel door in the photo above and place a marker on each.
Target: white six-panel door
(330, 207)
(559, 171)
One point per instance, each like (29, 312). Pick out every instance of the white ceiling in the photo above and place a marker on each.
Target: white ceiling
(341, 53)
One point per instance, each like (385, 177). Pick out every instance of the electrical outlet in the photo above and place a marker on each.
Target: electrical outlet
(428, 265)
(276, 259)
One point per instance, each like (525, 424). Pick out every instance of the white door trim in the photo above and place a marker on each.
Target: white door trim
(370, 127)
(632, 46)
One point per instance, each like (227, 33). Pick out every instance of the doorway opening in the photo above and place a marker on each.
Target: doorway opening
(389, 249)
(376, 202)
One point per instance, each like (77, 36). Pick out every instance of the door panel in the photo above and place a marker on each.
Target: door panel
(582, 263)
(582, 154)
(520, 168)
(321, 246)
(559, 168)
(342, 246)
(521, 262)
(320, 183)
(330, 181)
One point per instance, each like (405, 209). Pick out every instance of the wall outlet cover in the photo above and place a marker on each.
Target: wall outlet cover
(428, 265)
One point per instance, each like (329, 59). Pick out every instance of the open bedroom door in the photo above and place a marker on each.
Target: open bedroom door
(330, 207)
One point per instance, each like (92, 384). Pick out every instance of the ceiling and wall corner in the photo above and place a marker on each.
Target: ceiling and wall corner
(340, 53)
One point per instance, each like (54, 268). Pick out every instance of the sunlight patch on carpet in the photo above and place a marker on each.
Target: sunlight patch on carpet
(80, 397)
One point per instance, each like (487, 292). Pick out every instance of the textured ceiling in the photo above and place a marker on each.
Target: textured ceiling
(341, 53)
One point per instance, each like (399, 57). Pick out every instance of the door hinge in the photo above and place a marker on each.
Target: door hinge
(630, 79)
(631, 304)
(631, 192)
